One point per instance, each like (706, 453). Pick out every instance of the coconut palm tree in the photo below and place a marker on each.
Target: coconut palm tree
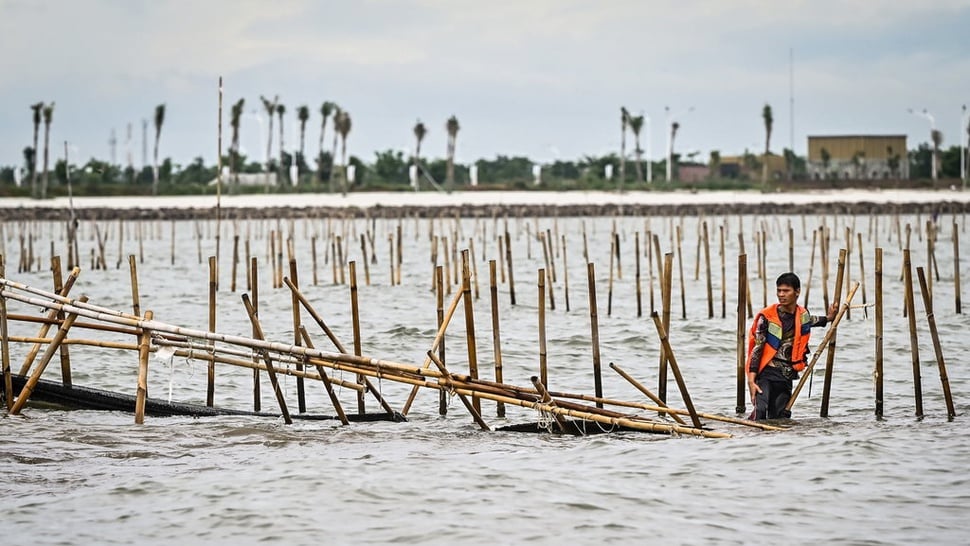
(769, 121)
(48, 115)
(270, 107)
(159, 120)
(715, 164)
(452, 127)
(326, 109)
(235, 116)
(419, 133)
(337, 111)
(37, 108)
(342, 124)
(624, 121)
(937, 137)
(302, 114)
(281, 173)
(636, 125)
(673, 135)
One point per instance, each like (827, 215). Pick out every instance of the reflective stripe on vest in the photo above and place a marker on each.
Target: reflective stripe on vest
(774, 335)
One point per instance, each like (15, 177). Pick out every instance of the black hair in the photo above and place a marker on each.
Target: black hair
(789, 279)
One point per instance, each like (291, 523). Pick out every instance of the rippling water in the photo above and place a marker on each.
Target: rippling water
(94, 477)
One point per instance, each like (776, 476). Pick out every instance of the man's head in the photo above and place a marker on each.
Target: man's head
(788, 287)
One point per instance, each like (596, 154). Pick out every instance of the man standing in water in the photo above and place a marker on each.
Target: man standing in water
(778, 348)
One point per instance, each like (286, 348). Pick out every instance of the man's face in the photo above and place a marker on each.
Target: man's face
(787, 296)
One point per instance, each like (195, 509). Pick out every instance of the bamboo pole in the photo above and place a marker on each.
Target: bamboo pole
(680, 267)
(254, 286)
(327, 383)
(862, 276)
(144, 343)
(956, 270)
(665, 290)
(565, 273)
(672, 361)
(663, 407)
(636, 273)
(469, 322)
(297, 338)
(934, 334)
(543, 372)
(55, 343)
(821, 347)
(472, 406)
(211, 376)
(723, 273)
(594, 330)
(741, 406)
(65, 290)
(355, 322)
(5, 337)
(914, 345)
(267, 359)
(235, 263)
(496, 336)
(508, 264)
(830, 357)
(64, 352)
(878, 375)
(439, 283)
(811, 268)
(707, 263)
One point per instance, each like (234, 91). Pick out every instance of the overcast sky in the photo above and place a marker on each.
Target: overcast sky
(540, 78)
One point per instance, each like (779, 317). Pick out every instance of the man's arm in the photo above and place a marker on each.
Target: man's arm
(755, 357)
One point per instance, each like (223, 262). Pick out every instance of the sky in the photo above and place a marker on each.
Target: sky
(538, 78)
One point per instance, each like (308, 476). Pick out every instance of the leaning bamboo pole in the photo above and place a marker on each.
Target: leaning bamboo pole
(672, 361)
(663, 407)
(821, 347)
(327, 382)
(31, 383)
(267, 359)
(446, 382)
(934, 334)
(594, 329)
(65, 290)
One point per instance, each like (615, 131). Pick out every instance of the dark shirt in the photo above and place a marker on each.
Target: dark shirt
(782, 359)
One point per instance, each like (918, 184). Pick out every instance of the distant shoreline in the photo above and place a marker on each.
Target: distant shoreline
(490, 204)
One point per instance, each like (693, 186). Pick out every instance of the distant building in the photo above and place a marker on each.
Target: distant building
(858, 157)
(749, 166)
(246, 179)
(693, 172)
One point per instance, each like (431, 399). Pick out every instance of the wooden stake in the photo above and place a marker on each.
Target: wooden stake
(211, 383)
(543, 373)
(830, 359)
(327, 384)
(934, 334)
(254, 287)
(913, 343)
(707, 263)
(956, 270)
(5, 338)
(469, 322)
(144, 343)
(594, 330)
(565, 273)
(51, 315)
(496, 337)
(741, 333)
(297, 338)
(65, 354)
(439, 283)
(879, 335)
(508, 263)
(355, 321)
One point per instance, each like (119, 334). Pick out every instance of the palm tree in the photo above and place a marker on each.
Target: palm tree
(715, 164)
(303, 114)
(624, 121)
(337, 112)
(48, 114)
(37, 108)
(270, 107)
(343, 124)
(281, 173)
(159, 120)
(673, 135)
(452, 127)
(937, 137)
(419, 133)
(235, 117)
(769, 120)
(826, 161)
(636, 125)
(326, 109)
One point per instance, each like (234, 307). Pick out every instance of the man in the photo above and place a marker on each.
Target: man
(778, 348)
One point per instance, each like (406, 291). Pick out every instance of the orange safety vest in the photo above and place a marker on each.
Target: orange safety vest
(773, 337)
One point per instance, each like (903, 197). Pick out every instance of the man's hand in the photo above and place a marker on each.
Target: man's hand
(753, 388)
(833, 310)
